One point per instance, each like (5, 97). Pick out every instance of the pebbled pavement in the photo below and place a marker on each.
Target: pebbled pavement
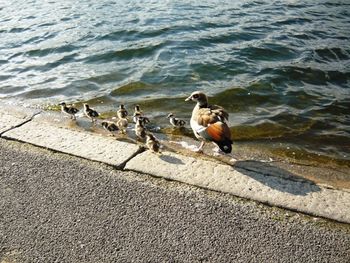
(59, 208)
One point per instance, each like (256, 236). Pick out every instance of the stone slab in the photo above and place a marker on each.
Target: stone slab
(83, 144)
(11, 116)
(297, 195)
(9, 122)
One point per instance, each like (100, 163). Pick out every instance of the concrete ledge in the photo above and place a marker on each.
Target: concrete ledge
(83, 144)
(266, 184)
(301, 196)
(10, 117)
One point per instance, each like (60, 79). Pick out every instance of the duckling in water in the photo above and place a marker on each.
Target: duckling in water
(175, 121)
(109, 126)
(122, 112)
(90, 113)
(70, 110)
(152, 143)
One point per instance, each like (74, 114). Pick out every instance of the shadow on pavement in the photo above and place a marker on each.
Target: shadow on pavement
(276, 177)
(171, 159)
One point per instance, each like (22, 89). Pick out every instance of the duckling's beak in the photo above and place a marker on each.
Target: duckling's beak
(189, 98)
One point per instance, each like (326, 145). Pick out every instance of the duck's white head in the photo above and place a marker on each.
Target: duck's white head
(198, 97)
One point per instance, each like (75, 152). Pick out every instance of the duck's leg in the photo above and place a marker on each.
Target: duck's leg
(200, 148)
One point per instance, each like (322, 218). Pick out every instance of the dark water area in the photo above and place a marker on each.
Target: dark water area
(281, 68)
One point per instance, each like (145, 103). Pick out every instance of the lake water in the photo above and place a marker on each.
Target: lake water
(281, 68)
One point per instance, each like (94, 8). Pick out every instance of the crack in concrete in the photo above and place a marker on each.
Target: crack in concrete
(28, 119)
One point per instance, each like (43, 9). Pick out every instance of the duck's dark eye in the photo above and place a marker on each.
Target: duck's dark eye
(195, 96)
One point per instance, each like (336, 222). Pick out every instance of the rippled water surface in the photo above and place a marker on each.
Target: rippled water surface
(281, 68)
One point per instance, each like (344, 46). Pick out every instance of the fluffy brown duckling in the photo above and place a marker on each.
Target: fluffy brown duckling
(144, 120)
(175, 121)
(209, 123)
(109, 126)
(140, 129)
(70, 110)
(137, 113)
(152, 143)
(90, 113)
(122, 112)
(122, 124)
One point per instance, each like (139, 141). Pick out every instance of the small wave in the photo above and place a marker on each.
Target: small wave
(134, 89)
(214, 37)
(268, 52)
(40, 38)
(47, 24)
(50, 65)
(18, 30)
(332, 54)
(132, 34)
(112, 77)
(339, 108)
(292, 21)
(125, 54)
(308, 75)
(42, 93)
(53, 50)
(10, 91)
(240, 99)
(5, 77)
(263, 130)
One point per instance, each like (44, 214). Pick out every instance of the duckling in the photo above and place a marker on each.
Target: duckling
(70, 110)
(137, 113)
(109, 126)
(90, 113)
(152, 143)
(122, 124)
(122, 112)
(144, 120)
(140, 130)
(175, 121)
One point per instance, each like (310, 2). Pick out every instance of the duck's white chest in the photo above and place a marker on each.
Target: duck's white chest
(196, 128)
